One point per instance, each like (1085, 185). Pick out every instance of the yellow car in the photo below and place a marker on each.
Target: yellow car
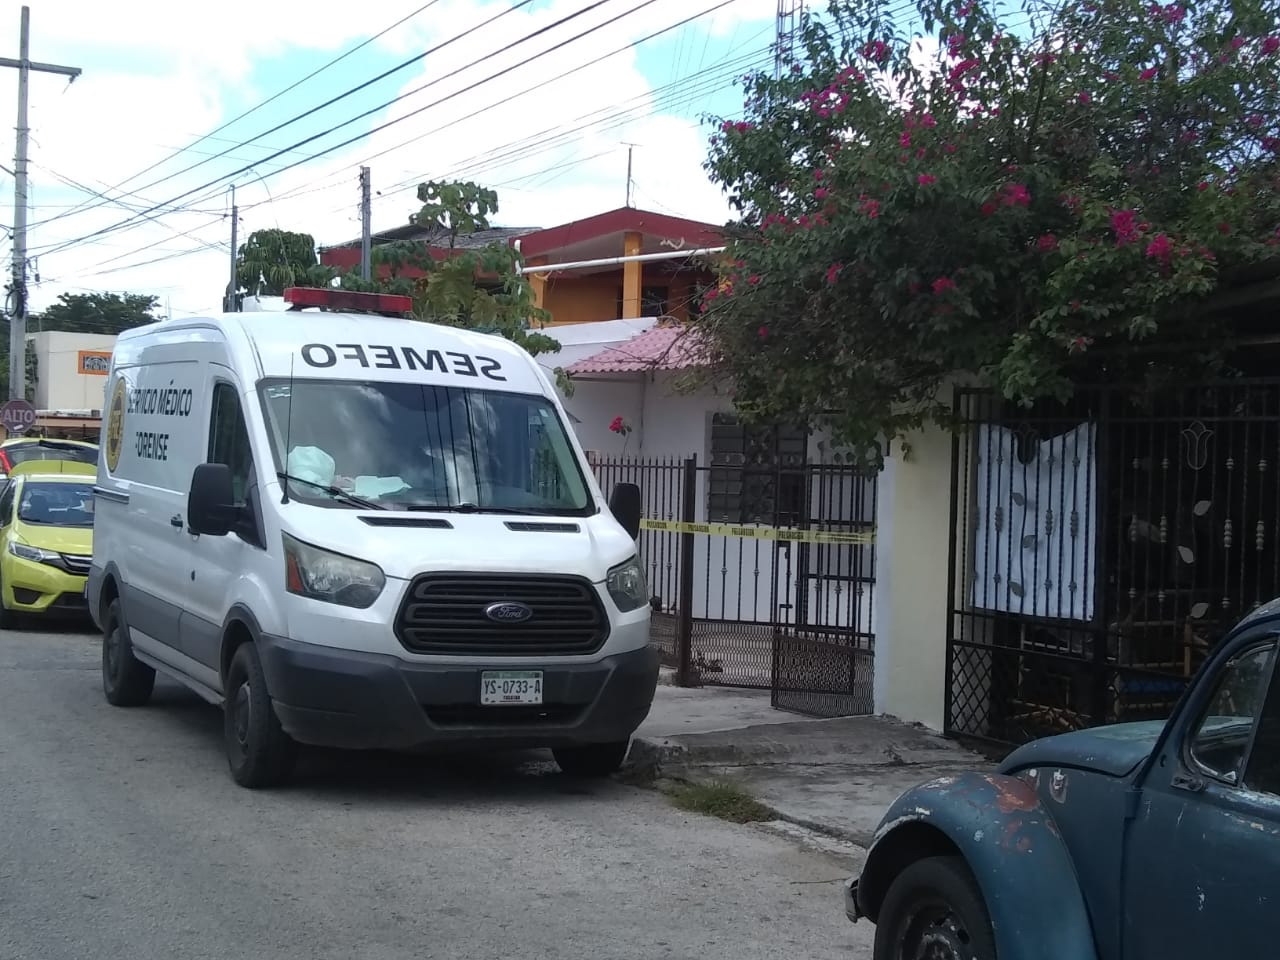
(46, 540)
(22, 450)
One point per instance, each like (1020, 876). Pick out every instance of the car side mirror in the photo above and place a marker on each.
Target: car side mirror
(211, 509)
(624, 504)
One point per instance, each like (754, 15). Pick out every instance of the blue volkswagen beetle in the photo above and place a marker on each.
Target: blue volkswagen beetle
(1135, 841)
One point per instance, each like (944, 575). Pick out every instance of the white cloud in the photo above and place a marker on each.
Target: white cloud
(168, 75)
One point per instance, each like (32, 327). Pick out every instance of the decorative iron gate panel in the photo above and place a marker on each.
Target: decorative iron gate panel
(1101, 548)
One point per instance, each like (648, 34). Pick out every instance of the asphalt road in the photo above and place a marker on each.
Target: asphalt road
(121, 834)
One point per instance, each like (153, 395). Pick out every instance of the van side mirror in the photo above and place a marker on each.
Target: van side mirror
(624, 504)
(211, 508)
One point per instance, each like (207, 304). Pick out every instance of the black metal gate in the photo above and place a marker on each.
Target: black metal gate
(1101, 547)
(736, 605)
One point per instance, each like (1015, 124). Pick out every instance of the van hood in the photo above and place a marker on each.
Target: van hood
(406, 544)
(1115, 750)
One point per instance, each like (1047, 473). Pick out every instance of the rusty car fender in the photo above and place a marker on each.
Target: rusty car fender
(1011, 844)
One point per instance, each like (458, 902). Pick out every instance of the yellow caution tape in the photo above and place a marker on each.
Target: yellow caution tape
(789, 534)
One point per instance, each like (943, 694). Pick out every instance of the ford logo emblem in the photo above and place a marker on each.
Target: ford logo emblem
(508, 611)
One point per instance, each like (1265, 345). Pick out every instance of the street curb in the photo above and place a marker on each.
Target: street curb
(654, 759)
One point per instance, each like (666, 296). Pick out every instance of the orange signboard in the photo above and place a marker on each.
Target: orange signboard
(93, 363)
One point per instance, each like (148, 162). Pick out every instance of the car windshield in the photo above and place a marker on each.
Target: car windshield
(50, 450)
(409, 446)
(57, 504)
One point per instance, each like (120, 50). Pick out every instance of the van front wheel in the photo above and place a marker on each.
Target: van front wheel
(126, 680)
(593, 759)
(259, 752)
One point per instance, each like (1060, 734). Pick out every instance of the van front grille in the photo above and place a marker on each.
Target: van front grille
(446, 614)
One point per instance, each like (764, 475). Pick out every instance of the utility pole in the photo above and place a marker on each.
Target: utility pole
(18, 316)
(630, 147)
(366, 220)
(235, 224)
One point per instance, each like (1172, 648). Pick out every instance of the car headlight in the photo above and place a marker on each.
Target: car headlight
(627, 586)
(331, 577)
(34, 554)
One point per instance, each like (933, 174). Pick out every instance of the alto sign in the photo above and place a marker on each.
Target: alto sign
(17, 417)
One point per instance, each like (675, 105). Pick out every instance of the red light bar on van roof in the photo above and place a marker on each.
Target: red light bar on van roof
(332, 299)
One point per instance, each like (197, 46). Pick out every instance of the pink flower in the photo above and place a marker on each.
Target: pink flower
(1149, 73)
(762, 333)
(819, 174)
(618, 425)
(1236, 42)
(877, 50)
(1270, 45)
(1084, 96)
(904, 140)
(964, 10)
(1254, 120)
(1224, 227)
(963, 67)
(1016, 195)
(943, 284)
(1125, 225)
(1160, 247)
(833, 272)
(928, 120)
(1047, 243)
(988, 208)
(926, 179)
(1202, 186)
(821, 193)
(871, 208)
(754, 280)
(954, 43)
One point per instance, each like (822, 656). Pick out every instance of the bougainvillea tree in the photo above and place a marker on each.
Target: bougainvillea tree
(1032, 205)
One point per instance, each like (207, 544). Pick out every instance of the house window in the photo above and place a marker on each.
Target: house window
(654, 301)
(756, 474)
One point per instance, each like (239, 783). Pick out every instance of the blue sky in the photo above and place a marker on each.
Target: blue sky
(159, 79)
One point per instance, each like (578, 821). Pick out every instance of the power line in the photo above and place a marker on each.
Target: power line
(259, 106)
(672, 95)
(362, 136)
(370, 112)
(527, 90)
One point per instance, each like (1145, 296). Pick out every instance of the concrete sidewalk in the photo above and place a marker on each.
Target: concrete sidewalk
(834, 776)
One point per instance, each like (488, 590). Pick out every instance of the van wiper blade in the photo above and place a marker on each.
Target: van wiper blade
(337, 493)
(468, 507)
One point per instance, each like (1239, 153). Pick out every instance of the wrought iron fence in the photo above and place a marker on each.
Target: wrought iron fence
(740, 607)
(1101, 547)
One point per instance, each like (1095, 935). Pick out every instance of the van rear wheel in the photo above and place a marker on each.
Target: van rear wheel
(126, 680)
(592, 759)
(259, 752)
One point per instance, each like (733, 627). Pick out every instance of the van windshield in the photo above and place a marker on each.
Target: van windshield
(408, 446)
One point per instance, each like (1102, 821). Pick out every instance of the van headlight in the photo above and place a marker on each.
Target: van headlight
(331, 577)
(627, 587)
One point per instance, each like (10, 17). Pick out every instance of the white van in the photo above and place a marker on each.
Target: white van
(363, 531)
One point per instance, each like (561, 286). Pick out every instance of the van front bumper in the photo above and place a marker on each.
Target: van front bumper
(343, 698)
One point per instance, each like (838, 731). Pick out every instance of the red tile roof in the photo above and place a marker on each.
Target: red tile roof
(661, 348)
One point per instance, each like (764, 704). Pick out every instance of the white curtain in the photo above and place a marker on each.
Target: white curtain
(1035, 524)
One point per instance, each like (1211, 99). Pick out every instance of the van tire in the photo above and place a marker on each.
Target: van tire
(259, 752)
(126, 680)
(592, 759)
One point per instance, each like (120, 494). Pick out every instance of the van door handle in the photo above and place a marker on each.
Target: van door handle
(176, 521)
